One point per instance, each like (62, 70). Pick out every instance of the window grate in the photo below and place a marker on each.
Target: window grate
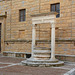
(56, 8)
(22, 14)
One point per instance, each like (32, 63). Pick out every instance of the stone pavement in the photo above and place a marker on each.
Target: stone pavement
(12, 66)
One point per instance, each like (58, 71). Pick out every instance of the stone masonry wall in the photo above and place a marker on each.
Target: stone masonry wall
(17, 34)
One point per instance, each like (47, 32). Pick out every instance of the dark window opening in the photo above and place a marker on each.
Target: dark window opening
(22, 14)
(28, 55)
(56, 8)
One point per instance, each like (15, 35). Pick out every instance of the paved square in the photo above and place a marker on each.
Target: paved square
(13, 66)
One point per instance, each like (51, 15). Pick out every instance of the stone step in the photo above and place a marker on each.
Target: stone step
(46, 63)
(41, 56)
(60, 63)
(42, 48)
(42, 51)
(41, 61)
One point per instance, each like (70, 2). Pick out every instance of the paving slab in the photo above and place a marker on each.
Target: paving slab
(10, 59)
(26, 70)
(1, 65)
(13, 66)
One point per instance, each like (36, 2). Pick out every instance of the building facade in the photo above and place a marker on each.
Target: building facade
(16, 27)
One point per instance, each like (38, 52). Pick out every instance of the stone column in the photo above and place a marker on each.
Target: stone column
(33, 38)
(53, 43)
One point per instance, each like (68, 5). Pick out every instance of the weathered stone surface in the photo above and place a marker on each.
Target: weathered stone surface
(42, 63)
(15, 30)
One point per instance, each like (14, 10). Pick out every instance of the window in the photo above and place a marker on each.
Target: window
(22, 14)
(56, 8)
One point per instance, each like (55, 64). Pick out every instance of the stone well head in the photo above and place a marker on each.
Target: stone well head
(41, 55)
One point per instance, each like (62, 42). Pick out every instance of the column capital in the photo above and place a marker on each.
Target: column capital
(53, 25)
(33, 25)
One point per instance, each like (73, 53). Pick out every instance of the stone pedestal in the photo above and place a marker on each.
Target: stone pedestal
(42, 63)
(43, 56)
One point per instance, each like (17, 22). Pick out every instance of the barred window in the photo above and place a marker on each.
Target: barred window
(22, 14)
(56, 8)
